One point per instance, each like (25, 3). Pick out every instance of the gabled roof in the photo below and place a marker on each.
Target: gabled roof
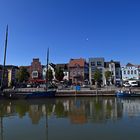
(129, 65)
(74, 62)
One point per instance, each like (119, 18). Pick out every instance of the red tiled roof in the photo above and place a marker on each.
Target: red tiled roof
(74, 62)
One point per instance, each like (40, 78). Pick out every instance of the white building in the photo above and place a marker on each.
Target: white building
(115, 69)
(130, 72)
(44, 70)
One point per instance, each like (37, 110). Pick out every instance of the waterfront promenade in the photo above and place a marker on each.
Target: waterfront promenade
(71, 92)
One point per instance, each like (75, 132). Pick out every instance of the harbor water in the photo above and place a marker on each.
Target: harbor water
(73, 118)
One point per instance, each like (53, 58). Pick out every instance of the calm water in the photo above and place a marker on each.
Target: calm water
(70, 119)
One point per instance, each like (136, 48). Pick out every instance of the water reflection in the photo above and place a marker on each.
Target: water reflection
(79, 110)
(37, 115)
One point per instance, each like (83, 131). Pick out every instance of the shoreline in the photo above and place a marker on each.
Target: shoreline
(107, 92)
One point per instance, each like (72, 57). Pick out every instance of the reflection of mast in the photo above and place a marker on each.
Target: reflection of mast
(1, 127)
(46, 124)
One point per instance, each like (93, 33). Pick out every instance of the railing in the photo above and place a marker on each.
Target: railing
(24, 90)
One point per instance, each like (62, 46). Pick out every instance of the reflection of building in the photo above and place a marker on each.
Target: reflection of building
(131, 108)
(78, 71)
(35, 113)
(77, 112)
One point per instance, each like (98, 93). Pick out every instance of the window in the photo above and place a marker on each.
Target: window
(35, 74)
(117, 73)
(124, 72)
(131, 71)
(99, 63)
(128, 72)
(92, 63)
(135, 72)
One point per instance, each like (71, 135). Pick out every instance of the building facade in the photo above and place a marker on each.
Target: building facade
(12, 71)
(115, 68)
(44, 70)
(95, 63)
(35, 70)
(78, 71)
(130, 72)
(5, 80)
(64, 68)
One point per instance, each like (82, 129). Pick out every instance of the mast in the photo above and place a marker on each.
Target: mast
(5, 51)
(47, 67)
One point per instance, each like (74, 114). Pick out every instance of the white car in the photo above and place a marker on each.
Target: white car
(133, 83)
(29, 86)
(126, 85)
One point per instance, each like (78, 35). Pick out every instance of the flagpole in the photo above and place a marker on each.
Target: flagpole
(5, 51)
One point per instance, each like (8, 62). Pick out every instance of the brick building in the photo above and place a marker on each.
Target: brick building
(78, 71)
(35, 70)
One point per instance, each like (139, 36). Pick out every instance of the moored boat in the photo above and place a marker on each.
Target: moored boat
(29, 95)
(126, 94)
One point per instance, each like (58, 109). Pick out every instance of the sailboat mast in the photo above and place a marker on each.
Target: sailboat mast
(5, 51)
(47, 76)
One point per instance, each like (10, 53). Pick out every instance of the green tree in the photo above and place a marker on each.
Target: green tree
(50, 75)
(59, 75)
(97, 76)
(107, 75)
(22, 75)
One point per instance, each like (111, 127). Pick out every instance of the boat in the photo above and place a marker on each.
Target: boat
(28, 94)
(126, 94)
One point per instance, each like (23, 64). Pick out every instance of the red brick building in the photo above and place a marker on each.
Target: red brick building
(36, 69)
(78, 71)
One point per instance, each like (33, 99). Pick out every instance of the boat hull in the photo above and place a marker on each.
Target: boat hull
(119, 94)
(29, 95)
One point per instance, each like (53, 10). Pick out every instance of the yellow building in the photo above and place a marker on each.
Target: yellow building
(12, 70)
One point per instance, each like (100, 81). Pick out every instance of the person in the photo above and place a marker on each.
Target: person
(13, 87)
(130, 90)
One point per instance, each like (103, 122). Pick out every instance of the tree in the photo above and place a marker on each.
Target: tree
(22, 75)
(97, 76)
(107, 75)
(59, 75)
(50, 75)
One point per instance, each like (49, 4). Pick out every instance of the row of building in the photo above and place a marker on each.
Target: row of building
(77, 71)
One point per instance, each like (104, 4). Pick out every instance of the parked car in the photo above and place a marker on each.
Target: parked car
(133, 83)
(29, 85)
(126, 84)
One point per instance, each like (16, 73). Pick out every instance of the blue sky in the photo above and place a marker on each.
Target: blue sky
(71, 29)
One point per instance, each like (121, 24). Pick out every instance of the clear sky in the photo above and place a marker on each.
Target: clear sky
(71, 29)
